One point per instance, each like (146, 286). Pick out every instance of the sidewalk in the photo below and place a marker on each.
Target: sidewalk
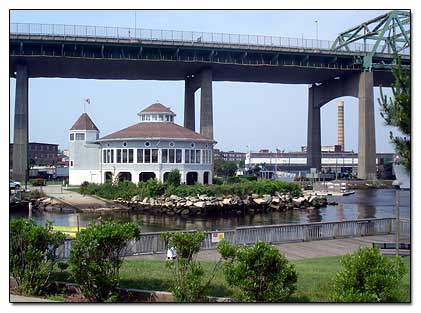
(23, 299)
(301, 250)
(75, 199)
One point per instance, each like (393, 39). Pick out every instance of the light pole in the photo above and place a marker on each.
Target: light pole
(317, 33)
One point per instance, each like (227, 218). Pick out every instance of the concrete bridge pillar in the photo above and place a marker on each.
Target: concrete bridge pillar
(206, 109)
(366, 128)
(313, 132)
(20, 138)
(189, 105)
(202, 80)
(356, 85)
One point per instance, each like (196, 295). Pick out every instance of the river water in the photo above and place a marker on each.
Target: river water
(373, 203)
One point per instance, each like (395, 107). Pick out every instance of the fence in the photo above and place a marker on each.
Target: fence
(153, 243)
(113, 33)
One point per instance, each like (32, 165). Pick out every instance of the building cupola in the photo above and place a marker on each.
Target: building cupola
(157, 112)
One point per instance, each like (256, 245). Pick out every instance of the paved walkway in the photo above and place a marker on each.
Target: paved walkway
(23, 299)
(75, 199)
(302, 250)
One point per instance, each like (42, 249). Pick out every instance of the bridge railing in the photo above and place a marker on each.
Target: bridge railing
(274, 234)
(179, 37)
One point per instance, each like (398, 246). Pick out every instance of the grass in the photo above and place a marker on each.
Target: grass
(314, 278)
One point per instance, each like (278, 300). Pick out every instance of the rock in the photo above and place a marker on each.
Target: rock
(200, 204)
(255, 196)
(185, 212)
(203, 197)
(174, 197)
(276, 199)
(260, 201)
(268, 198)
(189, 203)
(136, 198)
(226, 201)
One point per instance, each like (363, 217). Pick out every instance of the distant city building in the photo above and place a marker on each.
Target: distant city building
(38, 154)
(149, 149)
(334, 148)
(332, 162)
(229, 155)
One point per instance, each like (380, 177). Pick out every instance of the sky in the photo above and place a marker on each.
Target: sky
(255, 115)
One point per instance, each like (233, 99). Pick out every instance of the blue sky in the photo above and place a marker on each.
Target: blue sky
(260, 115)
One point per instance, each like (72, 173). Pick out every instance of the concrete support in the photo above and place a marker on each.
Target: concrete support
(341, 133)
(206, 109)
(202, 80)
(366, 128)
(189, 105)
(20, 141)
(356, 85)
(313, 131)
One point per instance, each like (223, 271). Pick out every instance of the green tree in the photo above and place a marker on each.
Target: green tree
(174, 178)
(367, 276)
(261, 272)
(96, 257)
(32, 254)
(397, 112)
(225, 168)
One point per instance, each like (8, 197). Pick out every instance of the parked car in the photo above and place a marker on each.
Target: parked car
(14, 184)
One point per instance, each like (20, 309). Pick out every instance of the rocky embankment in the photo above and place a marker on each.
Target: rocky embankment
(47, 204)
(203, 205)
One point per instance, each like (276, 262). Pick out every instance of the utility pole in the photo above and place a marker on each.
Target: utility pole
(317, 33)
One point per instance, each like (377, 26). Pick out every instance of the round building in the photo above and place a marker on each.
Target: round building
(149, 149)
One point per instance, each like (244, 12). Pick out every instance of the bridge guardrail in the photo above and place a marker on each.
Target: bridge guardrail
(152, 242)
(105, 32)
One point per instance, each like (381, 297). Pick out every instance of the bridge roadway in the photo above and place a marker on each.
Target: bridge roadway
(90, 52)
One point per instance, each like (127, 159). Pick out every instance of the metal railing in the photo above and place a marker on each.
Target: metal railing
(152, 242)
(179, 37)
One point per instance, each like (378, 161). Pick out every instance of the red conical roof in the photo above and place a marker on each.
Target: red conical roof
(158, 108)
(84, 123)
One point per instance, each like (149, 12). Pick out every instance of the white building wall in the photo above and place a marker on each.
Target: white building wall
(77, 177)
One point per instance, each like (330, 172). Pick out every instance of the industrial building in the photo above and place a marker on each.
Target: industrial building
(38, 154)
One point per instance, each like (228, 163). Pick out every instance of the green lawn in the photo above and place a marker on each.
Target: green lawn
(314, 278)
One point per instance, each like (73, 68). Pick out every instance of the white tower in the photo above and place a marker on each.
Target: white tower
(84, 152)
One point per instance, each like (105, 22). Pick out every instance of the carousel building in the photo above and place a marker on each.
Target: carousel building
(149, 149)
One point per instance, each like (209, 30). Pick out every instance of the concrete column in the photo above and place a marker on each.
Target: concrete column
(189, 105)
(366, 128)
(313, 131)
(20, 138)
(206, 110)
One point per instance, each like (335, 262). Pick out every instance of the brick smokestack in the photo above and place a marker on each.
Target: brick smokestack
(341, 139)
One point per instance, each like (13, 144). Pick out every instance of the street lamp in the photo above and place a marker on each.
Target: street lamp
(317, 33)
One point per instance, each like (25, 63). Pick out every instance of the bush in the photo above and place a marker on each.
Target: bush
(218, 181)
(37, 182)
(174, 178)
(261, 272)
(32, 254)
(367, 276)
(188, 275)
(96, 257)
(84, 187)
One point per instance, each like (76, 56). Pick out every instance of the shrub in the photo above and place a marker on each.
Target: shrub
(174, 178)
(188, 275)
(233, 180)
(32, 254)
(96, 257)
(367, 276)
(84, 187)
(261, 272)
(218, 181)
(34, 194)
(37, 182)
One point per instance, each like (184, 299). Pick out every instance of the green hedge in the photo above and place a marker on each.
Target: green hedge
(153, 188)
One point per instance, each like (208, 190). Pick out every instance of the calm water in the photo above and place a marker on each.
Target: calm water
(376, 203)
